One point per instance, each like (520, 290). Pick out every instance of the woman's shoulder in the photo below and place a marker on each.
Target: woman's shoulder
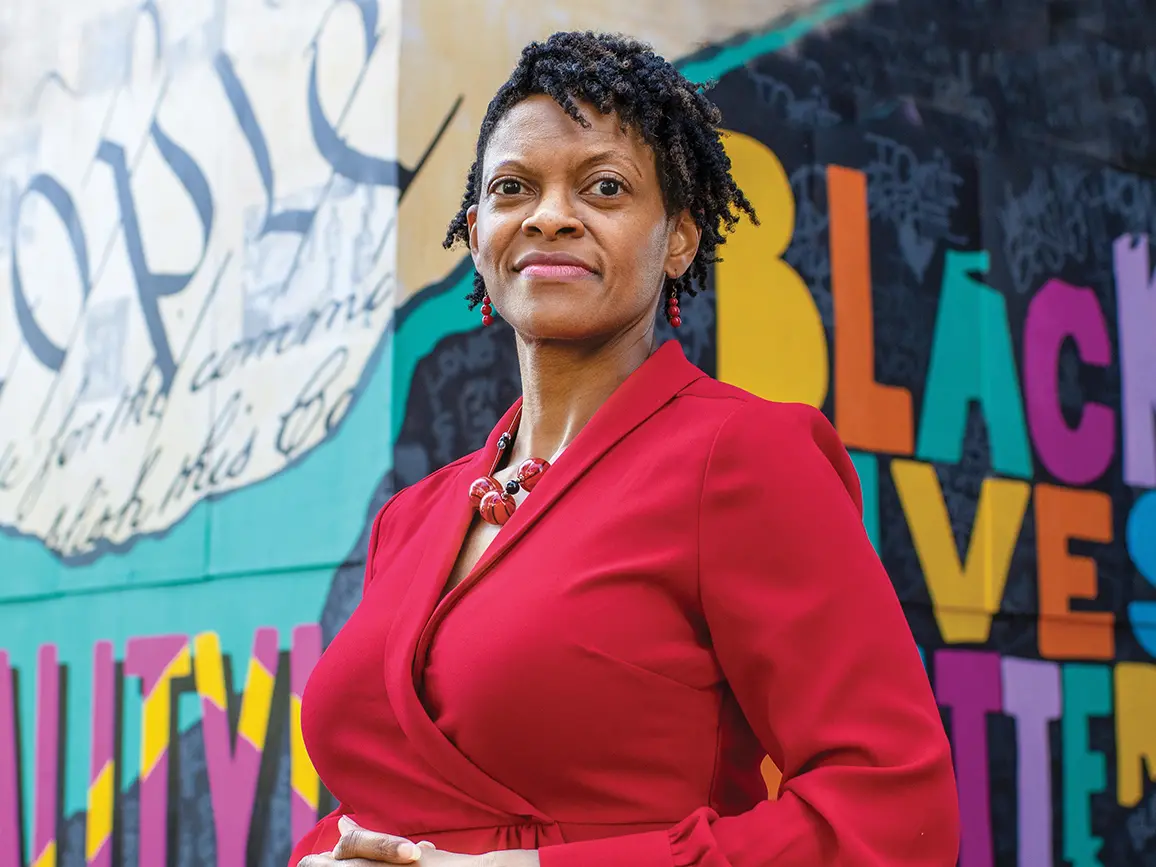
(410, 506)
(736, 413)
(776, 446)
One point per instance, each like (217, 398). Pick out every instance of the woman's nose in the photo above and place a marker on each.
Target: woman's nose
(554, 216)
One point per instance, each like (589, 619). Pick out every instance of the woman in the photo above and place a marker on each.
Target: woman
(576, 645)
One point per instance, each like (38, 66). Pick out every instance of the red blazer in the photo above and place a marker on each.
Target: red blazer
(688, 588)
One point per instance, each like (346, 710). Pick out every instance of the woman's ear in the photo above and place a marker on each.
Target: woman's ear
(472, 225)
(682, 245)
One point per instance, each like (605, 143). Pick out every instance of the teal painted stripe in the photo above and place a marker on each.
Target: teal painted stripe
(867, 466)
(703, 69)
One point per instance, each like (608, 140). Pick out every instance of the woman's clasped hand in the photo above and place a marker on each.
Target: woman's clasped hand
(359, 847)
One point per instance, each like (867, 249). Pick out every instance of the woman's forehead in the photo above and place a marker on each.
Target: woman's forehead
(538, 130)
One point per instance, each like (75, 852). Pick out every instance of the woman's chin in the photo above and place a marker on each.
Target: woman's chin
(553, 322)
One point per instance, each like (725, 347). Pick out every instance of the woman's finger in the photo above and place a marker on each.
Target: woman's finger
(374, 846)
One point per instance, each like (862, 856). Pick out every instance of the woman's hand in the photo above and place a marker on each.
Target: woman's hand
(361, 848)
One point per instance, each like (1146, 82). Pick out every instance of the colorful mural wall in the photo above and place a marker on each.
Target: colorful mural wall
(228, 333)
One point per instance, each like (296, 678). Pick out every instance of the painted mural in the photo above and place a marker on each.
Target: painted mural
(228, 333)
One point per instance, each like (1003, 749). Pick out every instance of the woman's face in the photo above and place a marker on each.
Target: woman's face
(570, 231)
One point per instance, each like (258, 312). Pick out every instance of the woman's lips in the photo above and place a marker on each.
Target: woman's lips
(556, 272)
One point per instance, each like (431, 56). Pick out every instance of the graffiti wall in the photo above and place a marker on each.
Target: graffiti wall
(228, 333)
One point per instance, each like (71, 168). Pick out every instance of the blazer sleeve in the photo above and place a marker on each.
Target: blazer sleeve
(814, 644)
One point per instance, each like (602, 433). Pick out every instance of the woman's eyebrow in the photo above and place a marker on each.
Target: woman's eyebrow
(610, 155)
(512, 164)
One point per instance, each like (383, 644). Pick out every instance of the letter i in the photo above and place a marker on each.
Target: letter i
(47, 757)
(102, 779)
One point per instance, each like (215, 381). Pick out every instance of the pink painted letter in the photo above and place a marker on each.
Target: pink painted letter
(968, 682)
(1075, 456)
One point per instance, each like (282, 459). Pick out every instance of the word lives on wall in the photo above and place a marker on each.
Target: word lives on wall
(197, 258)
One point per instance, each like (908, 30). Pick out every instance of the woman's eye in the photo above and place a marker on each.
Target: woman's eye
(608, 187)
(509, 187)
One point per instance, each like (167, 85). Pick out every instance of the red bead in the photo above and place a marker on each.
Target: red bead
(672, 304)
(676, 321)
(487, 320)
(497, 507)
(486, 299)
(530, 472)
(487, 309)
(481, 487)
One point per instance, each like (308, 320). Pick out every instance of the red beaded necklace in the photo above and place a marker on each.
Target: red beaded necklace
(494, 503)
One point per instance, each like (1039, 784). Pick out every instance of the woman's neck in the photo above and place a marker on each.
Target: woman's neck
(564, 384)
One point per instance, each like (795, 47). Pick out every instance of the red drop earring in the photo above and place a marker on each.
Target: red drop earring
(487, 311)
(673, 312)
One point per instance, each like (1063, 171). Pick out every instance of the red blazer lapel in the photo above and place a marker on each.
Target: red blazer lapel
(441, 539)
(644, 393)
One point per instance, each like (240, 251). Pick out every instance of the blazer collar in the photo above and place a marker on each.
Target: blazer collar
(663, 375)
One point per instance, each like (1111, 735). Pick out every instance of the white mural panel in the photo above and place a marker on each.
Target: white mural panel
(197, 252)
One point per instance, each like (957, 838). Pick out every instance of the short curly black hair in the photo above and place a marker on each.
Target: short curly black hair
(620, 75)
